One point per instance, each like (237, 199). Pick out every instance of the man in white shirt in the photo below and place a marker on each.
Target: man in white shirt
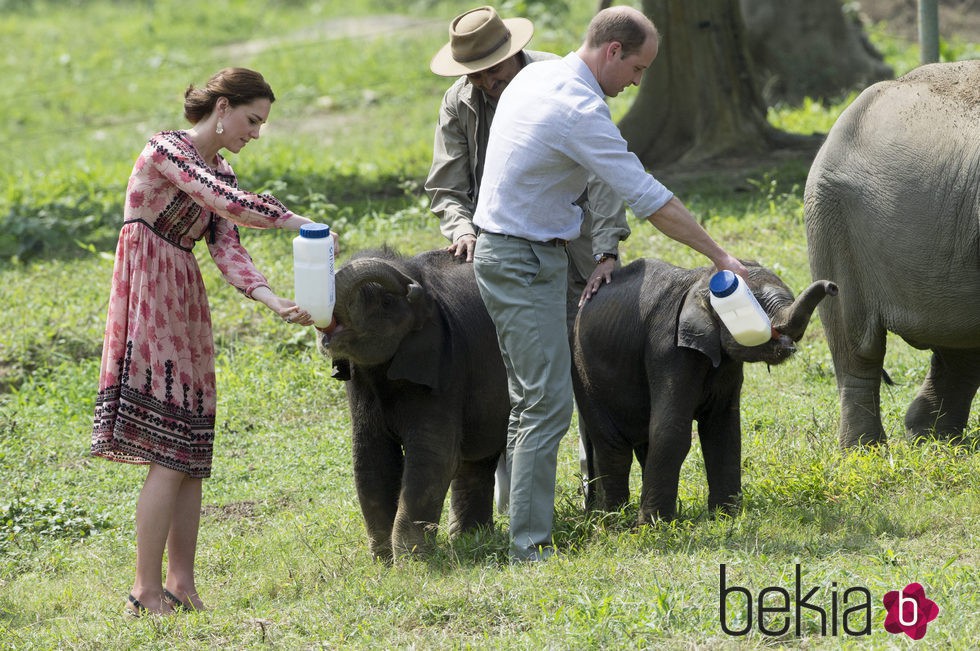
(552, 129)
(484, 53)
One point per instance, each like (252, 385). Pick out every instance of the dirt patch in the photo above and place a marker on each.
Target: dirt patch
(233, 511)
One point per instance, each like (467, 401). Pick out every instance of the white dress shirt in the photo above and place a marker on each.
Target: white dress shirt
(551, 129)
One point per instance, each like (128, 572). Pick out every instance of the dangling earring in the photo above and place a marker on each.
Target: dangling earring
(220, 128)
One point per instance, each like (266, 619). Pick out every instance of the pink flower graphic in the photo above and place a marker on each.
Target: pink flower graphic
(909, 611)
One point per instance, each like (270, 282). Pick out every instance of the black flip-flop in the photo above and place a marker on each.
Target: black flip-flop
(138, 609)
(177, 603)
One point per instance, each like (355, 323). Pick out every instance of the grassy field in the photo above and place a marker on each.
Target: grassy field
(283, 558)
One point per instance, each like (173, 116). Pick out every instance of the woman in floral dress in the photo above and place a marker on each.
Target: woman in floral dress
(156, 402)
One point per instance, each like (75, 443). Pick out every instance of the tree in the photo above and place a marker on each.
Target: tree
(702, 98)
(809, 48)
(699, 99)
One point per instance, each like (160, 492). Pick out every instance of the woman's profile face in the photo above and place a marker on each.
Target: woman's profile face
(243, 123)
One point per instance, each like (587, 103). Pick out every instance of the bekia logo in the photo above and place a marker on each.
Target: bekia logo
(837, 609)
(909, 611)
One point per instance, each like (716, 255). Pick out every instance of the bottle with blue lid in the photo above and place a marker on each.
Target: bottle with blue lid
(738, 309)
(313, 272)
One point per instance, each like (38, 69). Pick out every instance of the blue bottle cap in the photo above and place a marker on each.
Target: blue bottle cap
(723, 283)
(314, 231)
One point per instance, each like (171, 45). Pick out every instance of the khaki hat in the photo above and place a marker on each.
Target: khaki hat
(480, 39)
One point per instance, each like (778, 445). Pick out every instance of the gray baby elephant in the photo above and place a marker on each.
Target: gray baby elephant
(427, 393)
(651, 357)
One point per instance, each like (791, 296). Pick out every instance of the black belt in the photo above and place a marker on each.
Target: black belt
(555, 241)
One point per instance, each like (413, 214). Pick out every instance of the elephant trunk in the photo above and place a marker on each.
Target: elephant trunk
(794, 319)
(357, 273)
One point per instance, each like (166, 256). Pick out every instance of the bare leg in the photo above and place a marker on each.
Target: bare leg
(154, 514)
(182, 543)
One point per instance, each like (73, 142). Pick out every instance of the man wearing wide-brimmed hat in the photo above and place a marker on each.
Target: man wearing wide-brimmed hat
(486, 52)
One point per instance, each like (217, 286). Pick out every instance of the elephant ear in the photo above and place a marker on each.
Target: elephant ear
(420, 355)
(696, 327)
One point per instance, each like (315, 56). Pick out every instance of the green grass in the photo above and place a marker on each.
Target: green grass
(283, 557)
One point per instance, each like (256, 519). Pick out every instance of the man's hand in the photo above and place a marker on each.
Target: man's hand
(602, 274)
(731, 264)
(465, 246)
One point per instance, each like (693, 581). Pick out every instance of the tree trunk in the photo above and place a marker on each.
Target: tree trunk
(699, 99)
(809, 48)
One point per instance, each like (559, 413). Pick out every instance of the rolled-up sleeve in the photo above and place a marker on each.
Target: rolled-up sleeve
(598, 146)
(607, 214)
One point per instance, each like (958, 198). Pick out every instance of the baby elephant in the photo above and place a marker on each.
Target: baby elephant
(427, 392)
(650, 357)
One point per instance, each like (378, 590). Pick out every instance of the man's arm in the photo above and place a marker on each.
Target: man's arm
(676, 222)
(450, 183)
(609, 228)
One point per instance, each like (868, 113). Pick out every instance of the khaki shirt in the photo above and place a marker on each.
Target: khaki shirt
(453, 184)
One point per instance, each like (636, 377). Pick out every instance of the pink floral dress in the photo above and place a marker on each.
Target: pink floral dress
(156, 400)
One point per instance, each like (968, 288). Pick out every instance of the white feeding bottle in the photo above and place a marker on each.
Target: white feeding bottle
(741, 313)
(313, 272)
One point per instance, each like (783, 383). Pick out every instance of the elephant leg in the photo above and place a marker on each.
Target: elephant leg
(720, 433)
(378, 464)
(858, 354)
(610, 481)
(586, 453)
(471, 496)
(425, 482)
(586, 467)
(670, 441)
(942, 406)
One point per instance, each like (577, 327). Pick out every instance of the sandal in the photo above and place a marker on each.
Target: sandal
(134, 608)
(176, 603)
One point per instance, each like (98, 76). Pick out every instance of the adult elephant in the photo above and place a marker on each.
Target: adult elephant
(650, 357)
(427, 393)
(892, 206)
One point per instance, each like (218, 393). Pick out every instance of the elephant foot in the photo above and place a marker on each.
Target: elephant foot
(652, 516)
(927, 420)
(851, 439)
(381, 553)
(860, 417)
(415, 540)
(609, 505)
(728, 505)
(460, 527)
(951, 438)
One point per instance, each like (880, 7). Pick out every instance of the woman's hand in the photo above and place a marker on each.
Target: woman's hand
(293, 313)
(287, 310)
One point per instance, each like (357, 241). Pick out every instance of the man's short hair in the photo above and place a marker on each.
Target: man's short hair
(629, 27)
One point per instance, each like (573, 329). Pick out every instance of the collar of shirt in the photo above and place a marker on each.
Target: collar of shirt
(583, 71)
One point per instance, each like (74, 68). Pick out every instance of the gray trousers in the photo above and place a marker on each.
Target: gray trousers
(576, 285)
(523, 285)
